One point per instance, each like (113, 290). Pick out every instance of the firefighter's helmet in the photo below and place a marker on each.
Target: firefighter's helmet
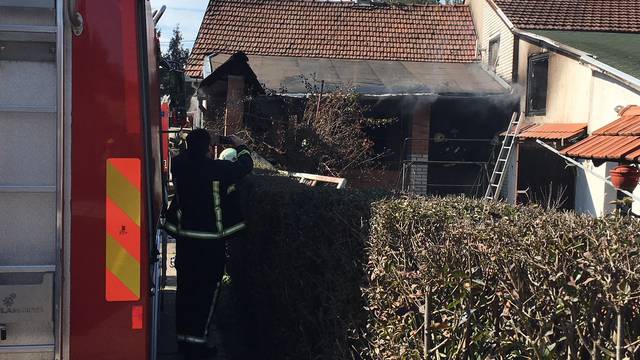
(229, 154)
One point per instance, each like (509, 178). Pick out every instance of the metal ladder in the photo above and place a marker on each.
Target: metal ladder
(30, 189)
(497, 176)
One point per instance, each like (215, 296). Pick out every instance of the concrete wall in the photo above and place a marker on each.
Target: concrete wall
(577, 94)
(488, 26)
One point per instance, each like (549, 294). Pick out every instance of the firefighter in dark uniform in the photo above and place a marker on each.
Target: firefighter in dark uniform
(205, 216)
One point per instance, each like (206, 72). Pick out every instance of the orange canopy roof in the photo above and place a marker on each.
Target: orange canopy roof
(617, 141)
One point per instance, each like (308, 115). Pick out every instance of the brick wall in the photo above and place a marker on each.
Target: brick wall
(420, 130)
(235, 105)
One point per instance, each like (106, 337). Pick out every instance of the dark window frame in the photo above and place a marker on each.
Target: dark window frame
(531, 108)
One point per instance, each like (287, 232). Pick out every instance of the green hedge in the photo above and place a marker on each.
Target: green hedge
(297, 273)
(502, 282)
(327, 274)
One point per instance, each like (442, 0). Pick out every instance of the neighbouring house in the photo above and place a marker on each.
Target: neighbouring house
(575, 63)
(416, 63)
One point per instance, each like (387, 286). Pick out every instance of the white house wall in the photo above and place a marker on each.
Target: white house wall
(489, 25)
(593, 196)
(569, 87)
(577, 94)
(608, 94)
(636, 205)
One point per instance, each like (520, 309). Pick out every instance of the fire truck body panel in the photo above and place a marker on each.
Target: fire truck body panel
(80, 181)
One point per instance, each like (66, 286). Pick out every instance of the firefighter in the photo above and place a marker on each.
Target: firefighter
(203, 218)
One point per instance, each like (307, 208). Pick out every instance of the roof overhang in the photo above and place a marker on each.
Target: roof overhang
(550, 131)
(617, 141)
(297, 76)
(560, 134)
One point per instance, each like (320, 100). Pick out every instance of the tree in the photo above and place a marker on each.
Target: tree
(172, 68)
(324, 133)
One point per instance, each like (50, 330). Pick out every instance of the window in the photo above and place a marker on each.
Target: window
(537, 84)
(494, 48)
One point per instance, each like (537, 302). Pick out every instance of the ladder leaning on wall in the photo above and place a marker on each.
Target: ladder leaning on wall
(497, 176)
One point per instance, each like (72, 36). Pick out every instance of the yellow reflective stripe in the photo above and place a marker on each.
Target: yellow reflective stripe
(123, 265)
(233, 229)
(123, 193)
(192, 339)
(199, 234)
(216, 205)
(122, 229)
(203, 234)
(231, 189)
(170, 227)
(244, 152)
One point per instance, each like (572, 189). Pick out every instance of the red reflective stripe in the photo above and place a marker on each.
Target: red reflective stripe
(137, 317)
(116, 290)
(123, 229)
(129, 168)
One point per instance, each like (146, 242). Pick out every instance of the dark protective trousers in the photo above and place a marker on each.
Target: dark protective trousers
(200, 266)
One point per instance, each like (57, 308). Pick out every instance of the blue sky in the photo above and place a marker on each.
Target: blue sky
(187, 13)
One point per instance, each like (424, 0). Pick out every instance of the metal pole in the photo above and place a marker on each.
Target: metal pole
(595, 174)
(319, 98)
(619, 335)
(427, 321)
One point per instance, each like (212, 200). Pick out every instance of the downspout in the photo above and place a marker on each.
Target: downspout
(515, 67)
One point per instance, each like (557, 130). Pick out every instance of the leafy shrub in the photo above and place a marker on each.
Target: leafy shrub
(502, 282)
(327, 274)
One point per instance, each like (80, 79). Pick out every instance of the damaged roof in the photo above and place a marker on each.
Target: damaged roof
(617, 141)
(573, 15)
(293, 76)
(335, 30)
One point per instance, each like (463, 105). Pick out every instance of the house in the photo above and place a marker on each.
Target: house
(575, 63)
(416, 63)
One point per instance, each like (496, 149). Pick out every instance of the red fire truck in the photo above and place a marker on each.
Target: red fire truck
(80, 180)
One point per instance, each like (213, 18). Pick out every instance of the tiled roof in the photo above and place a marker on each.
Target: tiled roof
(553, 131)
(617, 141)
(627, 124)
(335, 30)
(579, 15)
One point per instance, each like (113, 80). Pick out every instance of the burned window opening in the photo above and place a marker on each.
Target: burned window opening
(537, 82)
(494, 49)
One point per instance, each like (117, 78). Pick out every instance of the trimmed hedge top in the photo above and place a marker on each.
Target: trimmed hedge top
(329, 274)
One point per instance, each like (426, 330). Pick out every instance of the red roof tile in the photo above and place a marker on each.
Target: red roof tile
(617, 141)
(577, 15)
(553, 131)
(335, 30)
